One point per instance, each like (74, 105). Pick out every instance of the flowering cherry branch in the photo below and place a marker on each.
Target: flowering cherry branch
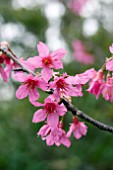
(63, 87)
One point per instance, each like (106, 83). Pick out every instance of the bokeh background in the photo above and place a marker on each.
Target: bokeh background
(23, 24)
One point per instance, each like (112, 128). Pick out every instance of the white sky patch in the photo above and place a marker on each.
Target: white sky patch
(90, 8)
(90, 27)
(6, 91)
(17, 32)
(107, 1)
(54, 10)
(11, 31)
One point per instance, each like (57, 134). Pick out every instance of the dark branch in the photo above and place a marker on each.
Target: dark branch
(79, 113)
(68, 105)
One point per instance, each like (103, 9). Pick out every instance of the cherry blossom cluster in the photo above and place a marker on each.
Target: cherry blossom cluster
(52, 111)
(80, 54)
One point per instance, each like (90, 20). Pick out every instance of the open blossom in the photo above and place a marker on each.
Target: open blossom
(28, 88)
(80, 53)
(77, 5)
(96, 83)
(111, 48)
(55, 136)
(52, 110)
(47, 60)
(107, 89)
(77, 128)
(6, 64)
(109, 62)
(62, 86)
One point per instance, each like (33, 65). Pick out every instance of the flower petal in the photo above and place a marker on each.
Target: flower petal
(43, 49)
(57, 64)
(61, 109)
(46, 73)
(35, 61)
(52, 120)
(65, 141)
(49, 140)
(22, 92)
(39, 116)
(21, 77)
(59, 54)
(33, 95)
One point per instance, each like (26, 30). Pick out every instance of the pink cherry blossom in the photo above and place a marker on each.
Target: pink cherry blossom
(52, 110)
(77, 5)
(111, 48)
(77, 128)
(6, 63)
(28, 88)
(96, 83)
(109, 64)
(55, 136)
(62, 86)
(47, 60)
(80, 53)
(107, 89)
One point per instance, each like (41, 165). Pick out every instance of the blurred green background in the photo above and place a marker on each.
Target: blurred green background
(23, 24)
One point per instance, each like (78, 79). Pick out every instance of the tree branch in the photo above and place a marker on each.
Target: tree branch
(70, 107)
(75, 111)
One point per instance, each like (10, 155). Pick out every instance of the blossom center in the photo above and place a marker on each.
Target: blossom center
(50, 107)
(1, 60)
(47, 61)
(61, 84)
(31, 84)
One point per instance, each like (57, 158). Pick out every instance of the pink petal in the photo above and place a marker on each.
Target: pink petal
(70, 130)
(59, 54)
(109, 65)
(49, 140)
(36, 104)
(83, 128)
(52, 120)
(42, 84)
(65, 141)
(8, 69)
(111, 49)
(33, 95)
(39, 116)
(35, 61)
(22, 92)
(46, 73)
(26, 64)
(21, 77)
(43, 49)
(61, 109)
(57, 64)
(43, 130)
(77, 133)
